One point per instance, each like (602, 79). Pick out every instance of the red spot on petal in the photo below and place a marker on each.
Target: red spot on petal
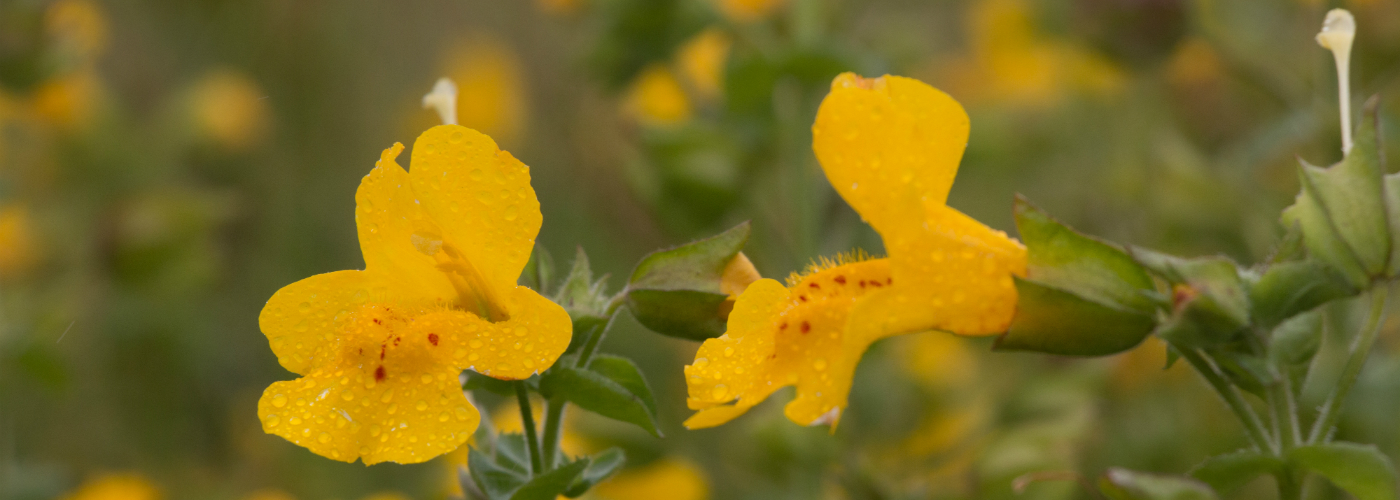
(803, 297)
(379, 373)
(806, 327)
(396, 341)
(840, 279)
(377, 322)
(876, 284)
(889, 281)
(381, 351)
(862, 283)
(432, 338)
(782, 326)
(814, 285)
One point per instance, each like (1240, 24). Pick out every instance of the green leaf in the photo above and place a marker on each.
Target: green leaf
(539, 271)
(477, 381)
(598, 393)
(1055, 321)
(625, 373)
(551, 484)
(677, 292)
(1342, 209)
(1361, 470)
(580, 295)
(1225, 473)
(1289, 288)
(1068, 260)
(1208, 296)
(496, 482)
(1123, 484)
(599, 468)
(1296, 341)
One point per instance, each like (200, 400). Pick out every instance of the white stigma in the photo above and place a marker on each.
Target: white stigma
(443, 99)
(1338, 31)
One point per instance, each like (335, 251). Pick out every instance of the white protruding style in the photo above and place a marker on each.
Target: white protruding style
(443, 99)
(1338, 31)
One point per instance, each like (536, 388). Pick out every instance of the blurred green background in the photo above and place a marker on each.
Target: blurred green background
(166, 166)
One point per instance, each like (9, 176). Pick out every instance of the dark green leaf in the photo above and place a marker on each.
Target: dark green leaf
(539, 271)
(1123, 484)
(599, 468)
(551, 484)
(1063, 258)
(625, 373)
(1225, 473)
(1289, 288)
(677, 292)
(478, 381)
(599, 394)
(1296, 341)
(1207, 292)
(512, 453)
(1058, 322)
(1342, 209)
(1361, 470)
(495, 481)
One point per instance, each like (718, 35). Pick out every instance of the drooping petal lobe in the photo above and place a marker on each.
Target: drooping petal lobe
(387, 216)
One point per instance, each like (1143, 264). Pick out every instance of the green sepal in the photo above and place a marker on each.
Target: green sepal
(580, 295)
(1123, 484)
(1343, 211)
(1247, 371)
(1289, 288)
(600, 467)
(1209, 302)
(1361, 470)
(539, 271)
(551, 484)
(1055, 321)
(498, 474)
(611, 386)
(1224, 473)
(1294, 343)
(677, 292)
(1063, 258)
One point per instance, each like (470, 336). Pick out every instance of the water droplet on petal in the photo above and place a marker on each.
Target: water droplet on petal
(324, 438)
(279, 400)
(463, 414)
(272, 420)
(720, 391)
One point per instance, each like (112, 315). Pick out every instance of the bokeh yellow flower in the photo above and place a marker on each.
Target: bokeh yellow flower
(19, 249)
(229, 108)
(269, 494)
(891, 147)
(559, 6)
(380, 350)
(669, 478)
(77, 27)
(69, 101)
(492, 89)
(124, 486)
(701, 61)
(657, 98)
(743, 11)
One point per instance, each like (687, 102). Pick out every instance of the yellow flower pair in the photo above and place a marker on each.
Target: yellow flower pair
(380, 350)
(891, 147)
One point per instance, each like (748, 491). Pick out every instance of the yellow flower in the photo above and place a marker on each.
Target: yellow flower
(269, 494)
(18, 248)
(669, 478)
(488, 77)
(890, 146)
(656, 98)
(77, 27)
(116, 487)
(69, 101)
(380, 350)
(701, 61)
(743, 11)
(229, 108)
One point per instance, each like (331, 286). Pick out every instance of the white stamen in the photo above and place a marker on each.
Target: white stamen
(443, 99)
(1338, 31)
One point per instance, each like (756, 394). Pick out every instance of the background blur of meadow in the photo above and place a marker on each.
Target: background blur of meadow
(166, 166)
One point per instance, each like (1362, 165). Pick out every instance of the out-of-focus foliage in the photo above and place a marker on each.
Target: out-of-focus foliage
(166, 166)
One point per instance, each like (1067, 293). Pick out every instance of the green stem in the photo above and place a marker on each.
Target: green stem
(1289, 488)
(1252, 425)
(553, 421)
(527, 421)
(1360, 350)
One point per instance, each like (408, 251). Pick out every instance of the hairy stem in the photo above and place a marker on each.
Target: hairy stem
(1253, 426)
(1360, 350)
(527, 421)
(553, 421)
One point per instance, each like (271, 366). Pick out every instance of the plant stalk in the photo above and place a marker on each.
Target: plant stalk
(1360, 350)
(527, 422)
(1253, 426)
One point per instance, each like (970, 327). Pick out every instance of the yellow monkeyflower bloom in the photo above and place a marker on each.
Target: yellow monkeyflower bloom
(657, 98)
(890, 146)
(670, 478)
(70, 101)
(77, 27)
(380, 350)
(701, 61)
(18, 247)
(489, 79)
(229, 108)
(743, 11)
(116, 487)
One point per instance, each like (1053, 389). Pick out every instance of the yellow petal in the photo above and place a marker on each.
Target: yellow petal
(953, 276)
(300, 319)
(536, 334)
(481, 199)
(888, 145)
(116, 487)
(668, 478)
(340, 413)
(388, 215)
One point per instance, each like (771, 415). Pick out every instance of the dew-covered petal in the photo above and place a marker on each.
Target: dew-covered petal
(300, 319)
(388, 216)
(481, 199)
(536, 334)
(343, 413)
(888, 145)
(729, 366)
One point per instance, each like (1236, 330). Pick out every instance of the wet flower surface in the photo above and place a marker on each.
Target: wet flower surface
(890, 146)
(380, 350)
